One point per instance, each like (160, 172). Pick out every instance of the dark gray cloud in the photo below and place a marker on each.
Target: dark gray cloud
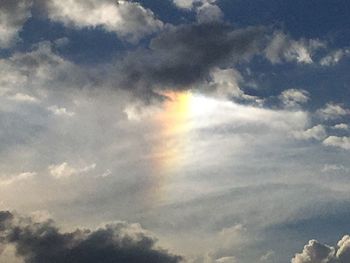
(183, 56)
(42, 242)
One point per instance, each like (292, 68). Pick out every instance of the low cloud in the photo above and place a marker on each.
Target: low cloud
(42, 242)
(316, 252)
(183, 56)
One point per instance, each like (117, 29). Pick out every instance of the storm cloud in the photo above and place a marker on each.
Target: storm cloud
(39, 242)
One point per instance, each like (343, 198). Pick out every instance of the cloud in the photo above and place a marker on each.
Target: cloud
(60, 111)
(335, 57)
(226, 260)
(335, 141)
(332, 111)
(13, 14)
(41, 242)
(283, 48)
(294, 97)
(268, 257)
(226, 83)
(334, 168)
(129, 20)
(21, 97)
(341, 126)
(64, 170)
(317, 132)
(16, 178)
(208, 13)
(189, 4)
(316, 252)
(183, 56)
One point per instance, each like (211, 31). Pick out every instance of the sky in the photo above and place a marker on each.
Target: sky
(174, 131)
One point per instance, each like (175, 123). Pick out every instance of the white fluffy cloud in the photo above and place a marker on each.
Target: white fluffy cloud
(13, 14)
(128, 19)
(283, 48)
(316, 252)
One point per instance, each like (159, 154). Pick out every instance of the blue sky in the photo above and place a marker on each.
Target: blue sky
(200, 131)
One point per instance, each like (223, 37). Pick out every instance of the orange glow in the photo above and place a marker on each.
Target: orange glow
(174, 123)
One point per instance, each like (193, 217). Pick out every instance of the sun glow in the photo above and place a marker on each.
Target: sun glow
(181, 113)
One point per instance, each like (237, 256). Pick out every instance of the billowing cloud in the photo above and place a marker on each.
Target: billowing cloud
(316, 252)
(41, 242)
(129, 20)
(13, 14)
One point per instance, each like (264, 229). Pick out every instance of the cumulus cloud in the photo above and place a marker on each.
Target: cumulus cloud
(283, 48)
(294, 97)
(332, 111)
(335, 141)
(41, 242)
(129, 20)
(316, 252)
(13, 14)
